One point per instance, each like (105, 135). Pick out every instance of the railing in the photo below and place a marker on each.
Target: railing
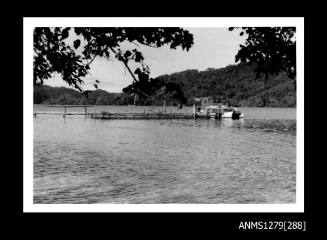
(120, 115)
(109, 115)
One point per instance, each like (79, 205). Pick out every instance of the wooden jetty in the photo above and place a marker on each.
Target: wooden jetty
(146, 116)
(119, 115)
(72, 106)
(65, 110)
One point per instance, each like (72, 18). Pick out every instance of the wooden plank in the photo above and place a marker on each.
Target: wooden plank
(147, 116)
(60, 113)
(59, 105)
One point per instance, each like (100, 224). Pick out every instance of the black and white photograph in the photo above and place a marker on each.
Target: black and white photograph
(164, 114)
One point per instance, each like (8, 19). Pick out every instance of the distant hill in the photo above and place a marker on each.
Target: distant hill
(237, 84)
(62, 95)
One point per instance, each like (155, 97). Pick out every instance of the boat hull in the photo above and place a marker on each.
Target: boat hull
(218, 112)
(237, 115)
(227, 115)
(232, 115)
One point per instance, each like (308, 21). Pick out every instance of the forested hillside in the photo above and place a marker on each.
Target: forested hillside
(237, 84)
(61, 95)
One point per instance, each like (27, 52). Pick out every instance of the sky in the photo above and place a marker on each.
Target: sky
(213, 48)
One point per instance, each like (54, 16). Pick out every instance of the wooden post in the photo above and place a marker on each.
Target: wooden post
(85, 111)
(194, 111)
(165, 106)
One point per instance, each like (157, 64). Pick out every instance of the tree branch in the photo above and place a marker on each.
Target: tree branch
(134, 78)
(135, 44)
(91, 60)
(129, 70)
(148, 45)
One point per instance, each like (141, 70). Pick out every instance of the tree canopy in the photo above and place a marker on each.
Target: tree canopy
(52, 53)
(70, 51)
(273, 49)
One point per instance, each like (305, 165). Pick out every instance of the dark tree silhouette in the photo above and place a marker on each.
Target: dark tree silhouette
(52, 53)
(154, 88)
(273, 49)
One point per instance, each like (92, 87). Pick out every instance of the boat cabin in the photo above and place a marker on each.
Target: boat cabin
(209, 107)
(201, 104)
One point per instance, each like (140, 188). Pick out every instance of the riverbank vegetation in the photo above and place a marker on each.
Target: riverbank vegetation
(236, 84)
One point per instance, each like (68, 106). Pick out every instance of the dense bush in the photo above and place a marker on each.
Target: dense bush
(238, 85)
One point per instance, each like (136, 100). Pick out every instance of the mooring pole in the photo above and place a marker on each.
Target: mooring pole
(194, 110)
(65, 112)
(165, 107)
(85, 111)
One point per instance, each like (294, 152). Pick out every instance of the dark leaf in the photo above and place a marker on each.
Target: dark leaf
(127, 54)
(138, 57)
(138, 71)
(78, 30)
(65, 33)
(77, 43)
(120, 58)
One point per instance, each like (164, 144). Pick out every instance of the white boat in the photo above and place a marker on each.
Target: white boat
(221, 111)
(210, 108)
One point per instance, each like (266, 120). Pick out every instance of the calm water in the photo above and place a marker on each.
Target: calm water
(252, 160)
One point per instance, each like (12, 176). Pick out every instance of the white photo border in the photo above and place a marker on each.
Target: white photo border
(29, 23)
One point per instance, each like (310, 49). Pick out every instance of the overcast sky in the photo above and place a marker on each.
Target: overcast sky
(213, 48)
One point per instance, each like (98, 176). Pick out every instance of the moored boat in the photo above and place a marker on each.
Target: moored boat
(221, 111)
(207, 107)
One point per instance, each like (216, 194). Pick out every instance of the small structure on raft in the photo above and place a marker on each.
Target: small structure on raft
(217, 109)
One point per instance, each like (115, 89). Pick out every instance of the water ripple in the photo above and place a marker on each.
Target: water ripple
(164, 161)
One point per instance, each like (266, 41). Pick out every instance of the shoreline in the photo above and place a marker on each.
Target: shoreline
(94, 105)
